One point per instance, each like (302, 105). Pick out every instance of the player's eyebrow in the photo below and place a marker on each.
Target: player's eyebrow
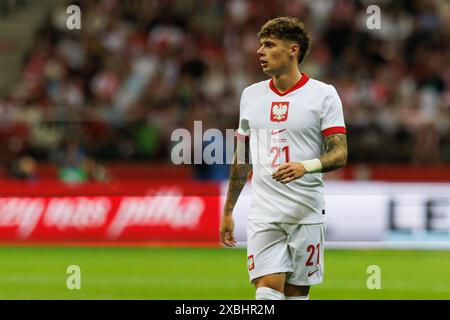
(266, 42)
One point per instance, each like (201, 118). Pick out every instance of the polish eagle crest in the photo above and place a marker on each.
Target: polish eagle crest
(279, 111)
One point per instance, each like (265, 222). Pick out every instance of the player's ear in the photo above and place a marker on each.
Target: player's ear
(294, 50)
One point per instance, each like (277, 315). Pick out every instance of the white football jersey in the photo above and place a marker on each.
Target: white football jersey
(288, 127)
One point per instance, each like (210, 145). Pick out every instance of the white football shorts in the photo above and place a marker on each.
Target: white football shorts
(296, 249)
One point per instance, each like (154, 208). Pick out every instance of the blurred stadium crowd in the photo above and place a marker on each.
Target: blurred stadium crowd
(8, 6)
(140, 69)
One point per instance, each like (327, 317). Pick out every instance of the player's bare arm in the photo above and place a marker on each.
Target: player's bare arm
(334, 158)
(239, 174)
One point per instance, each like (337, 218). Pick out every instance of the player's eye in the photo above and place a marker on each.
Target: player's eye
(266, 45)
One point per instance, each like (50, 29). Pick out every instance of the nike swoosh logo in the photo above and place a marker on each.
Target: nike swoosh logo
(277, 132)
(311, 273)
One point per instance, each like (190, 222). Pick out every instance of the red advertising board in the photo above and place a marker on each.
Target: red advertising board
(163, 213)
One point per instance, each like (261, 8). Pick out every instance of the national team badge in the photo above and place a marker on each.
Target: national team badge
(279, 111)
(250, 263)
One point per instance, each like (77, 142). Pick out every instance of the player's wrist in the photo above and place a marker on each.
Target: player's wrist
(312, 166)
(227, 213)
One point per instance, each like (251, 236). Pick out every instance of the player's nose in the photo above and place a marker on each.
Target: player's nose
(260, 52)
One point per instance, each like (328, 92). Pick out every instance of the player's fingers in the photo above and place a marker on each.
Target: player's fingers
(285, 174)
(230, 236)
(227, 243)
(281, 172)
(227, 235)
(229, 240)
(284, 165)
(230, 244)
(280, 169)
(223, 235)
(288, 178)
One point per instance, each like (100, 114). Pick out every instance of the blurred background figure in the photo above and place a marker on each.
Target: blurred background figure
(75, 166)
(24, 168)
(72, 167)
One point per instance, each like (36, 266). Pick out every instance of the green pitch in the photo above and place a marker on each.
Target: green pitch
(199, 273)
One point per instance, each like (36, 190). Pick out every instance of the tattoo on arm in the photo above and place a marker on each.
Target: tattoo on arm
(335, 156)
(239, 175)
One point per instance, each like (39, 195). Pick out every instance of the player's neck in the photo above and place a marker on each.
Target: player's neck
(287, 80)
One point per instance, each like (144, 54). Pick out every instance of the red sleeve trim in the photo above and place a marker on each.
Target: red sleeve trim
(241, 137)
(334, 130)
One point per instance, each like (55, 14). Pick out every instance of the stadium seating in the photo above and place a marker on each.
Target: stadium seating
(131, 76)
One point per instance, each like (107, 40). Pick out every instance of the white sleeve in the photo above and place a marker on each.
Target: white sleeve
(244, 126)
(332, 115)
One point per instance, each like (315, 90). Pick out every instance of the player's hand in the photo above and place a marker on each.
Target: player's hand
(226, 230)
(288, 172)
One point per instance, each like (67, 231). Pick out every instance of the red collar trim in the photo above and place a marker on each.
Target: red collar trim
(300, 83)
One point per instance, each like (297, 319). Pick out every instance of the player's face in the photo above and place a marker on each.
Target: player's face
(274, 55)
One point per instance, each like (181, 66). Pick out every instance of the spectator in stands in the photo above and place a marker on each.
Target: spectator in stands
(24, 168)
(140, 69)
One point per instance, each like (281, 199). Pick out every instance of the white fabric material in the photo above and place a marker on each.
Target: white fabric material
(294, 249)
(264, 293)
(298, 298)
(312, 166)
(286, 128)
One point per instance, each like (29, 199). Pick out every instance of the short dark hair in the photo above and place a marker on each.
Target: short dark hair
(288, 28)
